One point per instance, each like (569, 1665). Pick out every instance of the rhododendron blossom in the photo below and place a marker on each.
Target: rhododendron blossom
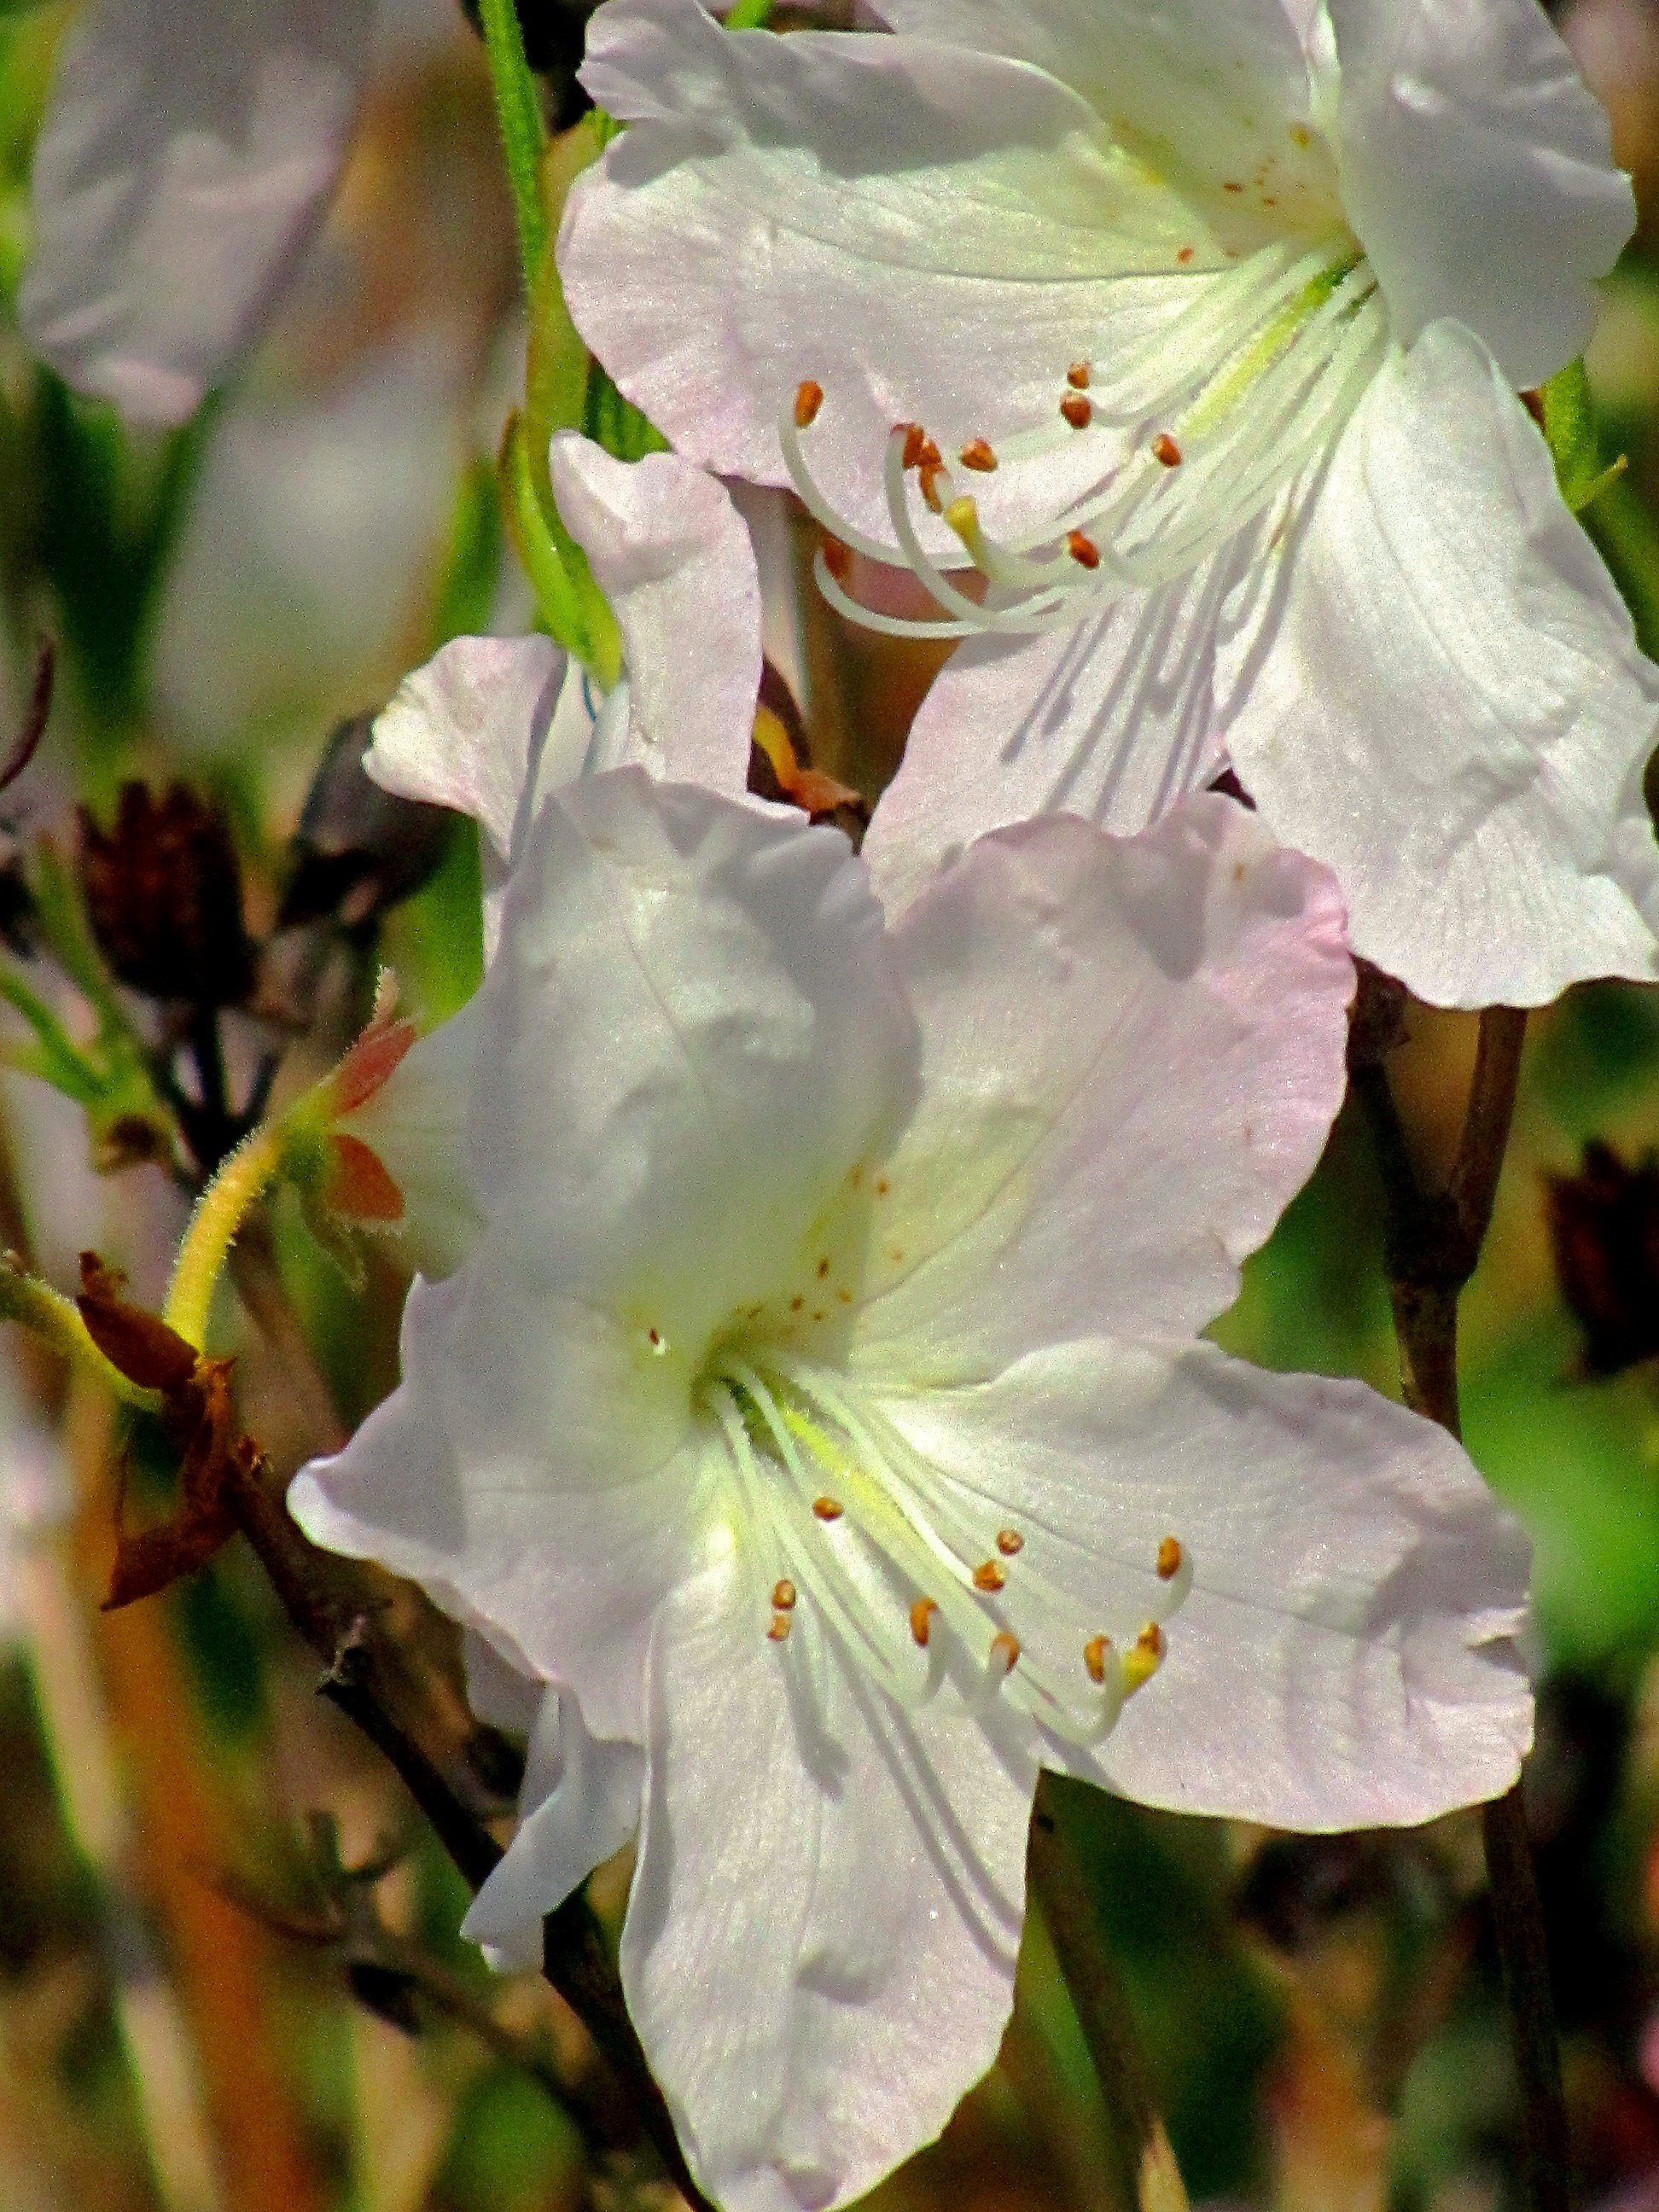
(820, 1413)
(1197, 328)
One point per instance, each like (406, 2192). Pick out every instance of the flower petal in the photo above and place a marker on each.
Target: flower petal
(1208, 88)
(819, 1948)
(415, 1125)
(187, 155)
(579, 1805)
(1447, 705)
(670, 553)
(1114, 720)
(1477, 168)
(1346, 1655)
(696, 996)
(532, 1471)
(1132, 1054)
(922, 230)
(461, 731)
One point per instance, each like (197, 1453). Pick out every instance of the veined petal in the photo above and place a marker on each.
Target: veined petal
(187, 155)
(579, 1805)
(534, 1471)
(1132, 1054)
(922, 230)
(1114, 720)
(843, 2001)
(672, 555)
(696, 997)
(1211, 92)
(1446, 703)
(1345, 1656)
(1477, 168)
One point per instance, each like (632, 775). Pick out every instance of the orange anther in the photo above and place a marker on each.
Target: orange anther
(1082, 550)
(1078, 410)
(779, 1629)
(1009, 1540)
(977, 454)
(837, 559)
(1165, 449)
(809, 397)
(1005, 1647)
(929, 479)
(915, 443)
(1077, 376)
(1151, 1640)
(1094, 1657)
(921, 1619)
(783, 1595)
(828, 1509)
(1169, 1559)
(989, 1576)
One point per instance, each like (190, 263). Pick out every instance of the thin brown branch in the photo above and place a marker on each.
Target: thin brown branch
(1148, 2178)
(1433, 1244)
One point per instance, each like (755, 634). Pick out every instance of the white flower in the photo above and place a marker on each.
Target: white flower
(1228, 300)
(490, 725)
(189, 152)
(820, 1412)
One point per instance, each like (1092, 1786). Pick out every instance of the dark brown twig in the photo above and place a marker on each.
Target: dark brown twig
(1148, 2178)
(1433, 1243)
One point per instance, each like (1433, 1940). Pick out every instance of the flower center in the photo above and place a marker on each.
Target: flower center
(1200, 424)
(858, 1538)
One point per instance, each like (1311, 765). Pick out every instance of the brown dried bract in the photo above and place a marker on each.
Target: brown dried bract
(197, 1415)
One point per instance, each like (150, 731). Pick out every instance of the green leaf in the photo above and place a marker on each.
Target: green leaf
(524, 133)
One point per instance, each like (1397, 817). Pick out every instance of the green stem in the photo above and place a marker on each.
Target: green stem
(242, 1180)
(524, 133)
(50, 1315)
(1148, 2179)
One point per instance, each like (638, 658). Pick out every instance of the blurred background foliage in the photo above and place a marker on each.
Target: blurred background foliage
(210, 1997)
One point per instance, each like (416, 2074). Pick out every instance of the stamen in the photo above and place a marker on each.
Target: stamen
(809, 397)
(921, 1617)
(1083, 549)
(1141, 1662)
(779, 1629)
(1078, 411)
(828, 1509)
(837, 559)
(989, 1576)
(1094, 1654)
(1165, 450)
(1009, 1542)
(1077, 376)
(1169, 1559)
(784, 1595)
(1004, 1649)
(977, 454)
